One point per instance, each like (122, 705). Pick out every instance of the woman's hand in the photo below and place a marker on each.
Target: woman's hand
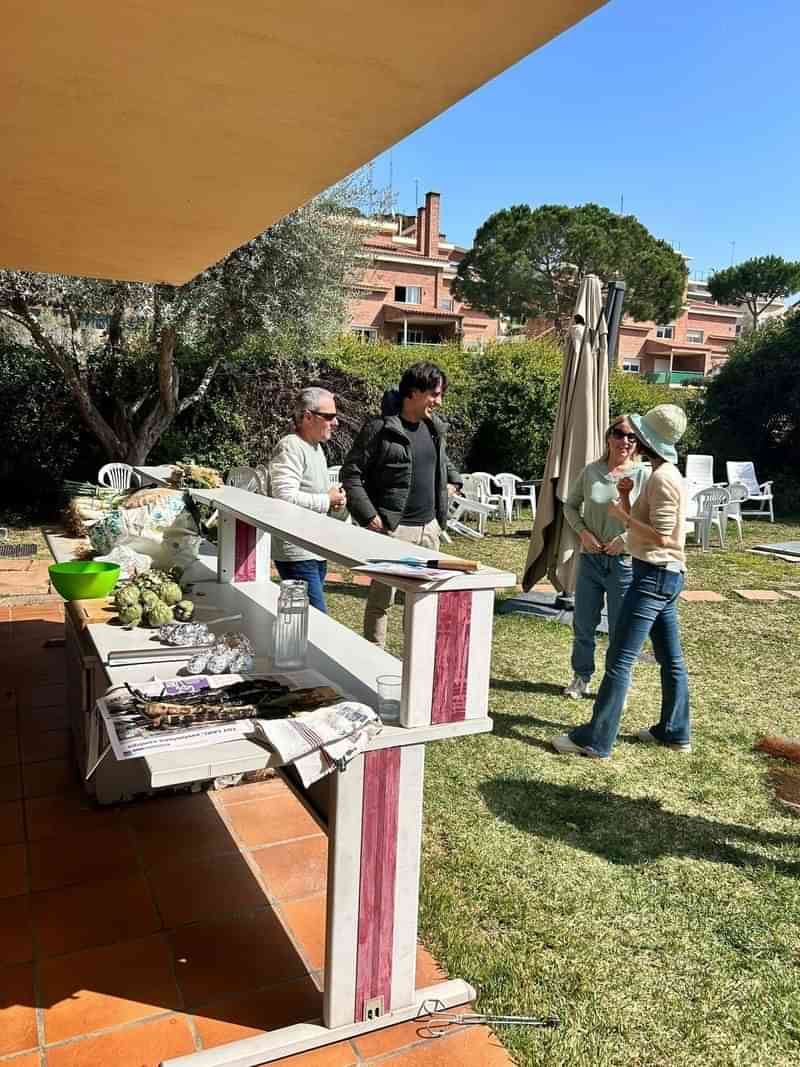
(615, 547)
(590, 542)
(617, 510)
(625, 485)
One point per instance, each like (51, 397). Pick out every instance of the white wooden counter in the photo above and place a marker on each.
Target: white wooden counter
(374, 807)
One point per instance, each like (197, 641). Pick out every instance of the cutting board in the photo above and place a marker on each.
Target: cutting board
(85, 612)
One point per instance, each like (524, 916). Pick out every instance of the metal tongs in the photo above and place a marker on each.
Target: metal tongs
(437, 1018)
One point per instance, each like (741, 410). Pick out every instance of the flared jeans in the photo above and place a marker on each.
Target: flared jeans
(649, 609)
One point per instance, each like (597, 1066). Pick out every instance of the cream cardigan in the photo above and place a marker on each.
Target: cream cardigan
(662, 505)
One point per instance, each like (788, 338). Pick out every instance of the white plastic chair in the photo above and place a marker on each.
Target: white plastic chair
(118, 476)
(477, 487)
(710, 505)
(462, 508)
(699, 475)
(738, 493)
(760, 492)
(244, 478)
(512, 499)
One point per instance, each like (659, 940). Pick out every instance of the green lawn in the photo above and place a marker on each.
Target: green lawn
(653, 901)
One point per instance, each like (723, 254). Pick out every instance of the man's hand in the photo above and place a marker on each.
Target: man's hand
(590, 542)
(376, 524)
(337, 497)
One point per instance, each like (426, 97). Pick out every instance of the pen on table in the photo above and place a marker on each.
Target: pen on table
(465, 565)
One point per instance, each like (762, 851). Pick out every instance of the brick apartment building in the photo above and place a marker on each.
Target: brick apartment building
(403, 295)
(692, 346)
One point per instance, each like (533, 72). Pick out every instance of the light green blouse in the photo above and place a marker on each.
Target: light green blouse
(585, 510)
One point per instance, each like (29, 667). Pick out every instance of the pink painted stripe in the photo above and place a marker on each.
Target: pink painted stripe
(378, 876)
(244, 569)
(451, 657)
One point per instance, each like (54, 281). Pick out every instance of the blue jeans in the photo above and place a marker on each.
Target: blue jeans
(650, 608)
(598, 576)
(312, 571)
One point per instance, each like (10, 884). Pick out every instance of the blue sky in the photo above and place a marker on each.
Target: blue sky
(687, 109)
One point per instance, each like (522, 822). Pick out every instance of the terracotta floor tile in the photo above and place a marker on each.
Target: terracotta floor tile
(10, 782)
(45, 745)
(105, 987)
(96, 913)
(36, 719)
(238, 794)
(27, 1059)
(65, 813)
(255, 1013)
(701, 596)
(339, 1055)
(9, 750)
(793, 593)
(8, 721)
(270, 820)
(16, 935)
(208, 889)
(18, 1030)
(179, 812)
(145, 1045)
(48, 696)
(13, 870)
(390, 1039)
(429, 972)
(306, 920)
(187, 830)
(296, 868)
(475, 1044)
(48, 777)
(217, 959)
(765, 595)
(101, 852)
(12, 826)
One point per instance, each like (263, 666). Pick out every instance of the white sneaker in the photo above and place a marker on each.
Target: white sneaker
(577, 688)
(565, 746)
(645, 735)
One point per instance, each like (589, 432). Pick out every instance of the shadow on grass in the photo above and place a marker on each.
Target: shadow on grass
(507, 726)
(354, 592)
(627, 830)
(520, 685)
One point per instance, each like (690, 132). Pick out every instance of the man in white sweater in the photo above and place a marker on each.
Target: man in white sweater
(298, 473)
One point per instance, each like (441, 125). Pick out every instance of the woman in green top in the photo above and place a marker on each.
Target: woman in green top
(604, 564)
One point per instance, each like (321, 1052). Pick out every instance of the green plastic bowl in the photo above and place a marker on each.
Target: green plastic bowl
(84, 580)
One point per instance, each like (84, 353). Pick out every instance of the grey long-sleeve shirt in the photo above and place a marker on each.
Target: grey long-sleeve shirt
(582, 512)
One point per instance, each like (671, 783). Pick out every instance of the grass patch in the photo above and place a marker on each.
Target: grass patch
(652, 902)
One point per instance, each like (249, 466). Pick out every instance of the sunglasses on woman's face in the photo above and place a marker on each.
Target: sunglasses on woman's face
(621, 435)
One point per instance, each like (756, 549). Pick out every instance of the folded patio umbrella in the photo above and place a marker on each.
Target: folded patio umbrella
(578, 438)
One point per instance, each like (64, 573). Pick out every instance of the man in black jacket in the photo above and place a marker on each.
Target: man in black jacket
(397, 477)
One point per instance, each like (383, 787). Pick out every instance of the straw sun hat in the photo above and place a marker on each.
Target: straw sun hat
(660, 429)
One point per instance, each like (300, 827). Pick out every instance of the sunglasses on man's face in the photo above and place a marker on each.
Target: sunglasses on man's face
(328, 416)
(621, 435)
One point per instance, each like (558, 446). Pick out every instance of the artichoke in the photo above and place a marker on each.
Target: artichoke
(183, 610)
(159, 614)
(149, 598)
(126, 596)
(171, 593)
(130, 615)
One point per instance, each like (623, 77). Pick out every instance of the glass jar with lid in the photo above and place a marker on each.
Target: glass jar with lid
(290, 643)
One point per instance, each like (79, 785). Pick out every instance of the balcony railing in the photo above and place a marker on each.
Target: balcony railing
(675, 377)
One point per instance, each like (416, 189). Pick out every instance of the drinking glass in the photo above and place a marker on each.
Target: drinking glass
(389, 688)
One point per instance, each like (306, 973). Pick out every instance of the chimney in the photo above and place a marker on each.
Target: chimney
(420, 229)
(431, 246)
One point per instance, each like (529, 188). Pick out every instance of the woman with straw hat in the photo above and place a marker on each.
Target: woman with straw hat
(656, 526)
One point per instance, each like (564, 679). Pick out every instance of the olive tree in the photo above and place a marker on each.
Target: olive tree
(159, 346)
